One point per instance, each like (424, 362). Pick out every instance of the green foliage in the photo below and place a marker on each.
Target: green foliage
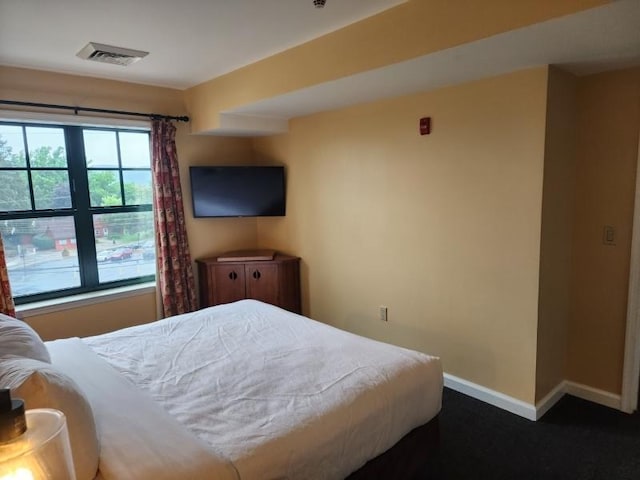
(47, 157)
(14, 194)
(136, 194)
(44, 242)
(104, 188)
(9, 159)
(51, 187)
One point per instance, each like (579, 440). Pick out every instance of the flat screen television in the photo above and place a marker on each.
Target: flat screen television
(238, 191)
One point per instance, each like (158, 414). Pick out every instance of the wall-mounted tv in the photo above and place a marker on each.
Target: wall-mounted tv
(238, 191)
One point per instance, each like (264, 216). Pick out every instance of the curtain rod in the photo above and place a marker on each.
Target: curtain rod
(152, 116)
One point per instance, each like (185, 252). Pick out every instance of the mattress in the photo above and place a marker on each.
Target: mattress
(277, 394)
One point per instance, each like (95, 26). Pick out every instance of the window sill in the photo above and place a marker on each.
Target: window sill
(75, 301)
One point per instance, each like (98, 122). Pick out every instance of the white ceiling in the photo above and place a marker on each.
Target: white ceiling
(190, 41)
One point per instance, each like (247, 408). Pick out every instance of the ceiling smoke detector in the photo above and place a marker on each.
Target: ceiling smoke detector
(319, 3)
(99, 52)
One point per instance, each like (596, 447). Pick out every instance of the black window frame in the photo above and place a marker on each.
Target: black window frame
(81, 209)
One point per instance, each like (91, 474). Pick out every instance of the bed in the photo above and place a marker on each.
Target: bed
(250, 391)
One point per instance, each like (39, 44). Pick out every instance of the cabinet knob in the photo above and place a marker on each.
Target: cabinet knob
(233, 275)
(256, 274)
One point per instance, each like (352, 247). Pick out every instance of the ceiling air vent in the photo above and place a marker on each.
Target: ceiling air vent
(99, 52)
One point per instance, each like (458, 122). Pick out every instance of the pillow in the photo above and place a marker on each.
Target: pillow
(19, 339)
(41, 385)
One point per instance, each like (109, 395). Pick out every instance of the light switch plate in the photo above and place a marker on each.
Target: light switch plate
(608, 235)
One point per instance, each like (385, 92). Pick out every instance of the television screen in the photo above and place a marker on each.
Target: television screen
(237, 191)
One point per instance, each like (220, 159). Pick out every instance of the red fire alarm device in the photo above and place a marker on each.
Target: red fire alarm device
(425, 125)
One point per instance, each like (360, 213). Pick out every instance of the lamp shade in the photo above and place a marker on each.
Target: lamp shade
(42, 452)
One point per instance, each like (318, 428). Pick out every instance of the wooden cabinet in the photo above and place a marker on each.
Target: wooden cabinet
(275, 281)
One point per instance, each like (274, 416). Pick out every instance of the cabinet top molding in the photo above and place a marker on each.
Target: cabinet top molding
(247, 255)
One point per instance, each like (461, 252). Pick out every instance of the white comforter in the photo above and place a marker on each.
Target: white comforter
(138, 439)
(279, 395)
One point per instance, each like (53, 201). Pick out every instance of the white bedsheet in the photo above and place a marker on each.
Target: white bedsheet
(138, 439)
(279, 395)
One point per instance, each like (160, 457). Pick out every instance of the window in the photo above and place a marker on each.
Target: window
(75, 208)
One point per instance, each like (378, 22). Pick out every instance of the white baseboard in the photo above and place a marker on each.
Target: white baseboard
(497, 399)
(527, 410)
(550, 399)
(594, 395)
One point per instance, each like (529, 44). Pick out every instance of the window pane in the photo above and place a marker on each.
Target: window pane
(104, 188)
(51, 189)
(124, 245)
(134, 150)
(14, 191)
(46, 147)
(100, 148)
(137, 187)
(12, 147)
(41, 254)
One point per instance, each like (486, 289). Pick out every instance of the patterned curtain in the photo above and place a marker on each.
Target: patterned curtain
(175, 272)
(6, 299)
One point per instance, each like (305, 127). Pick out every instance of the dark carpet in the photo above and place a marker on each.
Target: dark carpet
(575, 440)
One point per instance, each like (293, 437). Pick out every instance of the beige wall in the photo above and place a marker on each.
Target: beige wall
(38, 86)
(443, 229)
(381, 216)
(557, 221)
(207, 236)
(607, 153)
(95, 319)
(410, 30)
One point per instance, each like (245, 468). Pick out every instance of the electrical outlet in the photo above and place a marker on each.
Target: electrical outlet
(383, 313)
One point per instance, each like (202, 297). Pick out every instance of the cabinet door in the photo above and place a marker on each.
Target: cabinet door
(262, 282)
(229, 282)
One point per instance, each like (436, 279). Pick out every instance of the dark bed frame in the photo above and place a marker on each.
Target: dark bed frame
(415, 456)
